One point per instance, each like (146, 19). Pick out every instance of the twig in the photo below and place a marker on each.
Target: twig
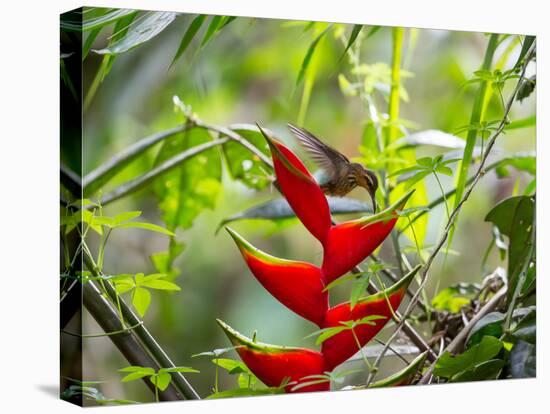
(450, 222)
(126, 156)
(234, 137)
(141, 181)
(458, 341)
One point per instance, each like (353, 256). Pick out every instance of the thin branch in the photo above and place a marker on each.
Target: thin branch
(110, 167)
(234, 137)
(167, 166)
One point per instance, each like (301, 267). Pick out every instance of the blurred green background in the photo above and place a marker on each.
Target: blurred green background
(248, 73)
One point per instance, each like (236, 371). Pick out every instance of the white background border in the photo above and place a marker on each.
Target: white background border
(29, 158)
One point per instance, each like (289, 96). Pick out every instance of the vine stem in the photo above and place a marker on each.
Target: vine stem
(479, 173)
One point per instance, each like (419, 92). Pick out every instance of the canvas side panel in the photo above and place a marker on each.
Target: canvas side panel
(70, 191)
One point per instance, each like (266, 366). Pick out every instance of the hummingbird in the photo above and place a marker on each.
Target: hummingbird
(342, 174)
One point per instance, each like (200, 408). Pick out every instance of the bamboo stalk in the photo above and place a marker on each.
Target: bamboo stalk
(106, 316)
(147, 339)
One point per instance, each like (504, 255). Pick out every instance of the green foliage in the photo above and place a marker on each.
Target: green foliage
(309, 55)
(403, 376)
(424, 166)
(523, 360)
(242, 164)
(470, 364)
(189, 35)
(514, 218)
(161, 379)
(101, 18)
(353, 36)
(184, 193)
(149, 25)
(140, 285)
(330, 377)
(326, 333)
(454, 298)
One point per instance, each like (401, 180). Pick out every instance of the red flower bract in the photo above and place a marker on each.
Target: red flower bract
(297, 285)
(343, 345)
(276, 364)
(300, 189)
(349, 243)
(300, 286)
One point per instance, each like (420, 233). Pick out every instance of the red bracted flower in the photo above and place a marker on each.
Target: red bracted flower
(274, 365)
(345, 245)
(343, 345)
(300, 189)
(297, 285)
(349, 243)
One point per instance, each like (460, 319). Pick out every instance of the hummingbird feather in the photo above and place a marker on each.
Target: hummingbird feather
(324, 155)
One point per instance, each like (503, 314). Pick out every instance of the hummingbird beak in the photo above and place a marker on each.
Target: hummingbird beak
(372, 193)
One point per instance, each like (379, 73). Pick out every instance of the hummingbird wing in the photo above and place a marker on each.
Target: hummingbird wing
(324, 155)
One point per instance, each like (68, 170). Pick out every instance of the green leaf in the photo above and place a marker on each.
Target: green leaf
(373, 30)
(443, 169)
(187, 191)
(242, 164)
(142, 31)
(98, 22)
(447, 365)
(137, 368)
(161, 380)
(530, 121)
(188, 36)
(427, 162)
(128, 215)
(526, 328)
(161, 285)
(145, 226)
(354, 33)
(523, 360)
(124, 284)
(309, 54)
(403, 377)
(212, 28)
(309, 383)
(327, 333)
(488, 370)
(527, 43)
(141, 300)
(514, 217)
(216, 352)
(179, 369)
(489, 325)
(136, 372)
(454, 298)
(358, 290)
(232, 366)
(414, 179)
(243, 392)
(279, 209)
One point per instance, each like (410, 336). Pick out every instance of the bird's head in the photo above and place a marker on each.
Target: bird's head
(368, 180)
